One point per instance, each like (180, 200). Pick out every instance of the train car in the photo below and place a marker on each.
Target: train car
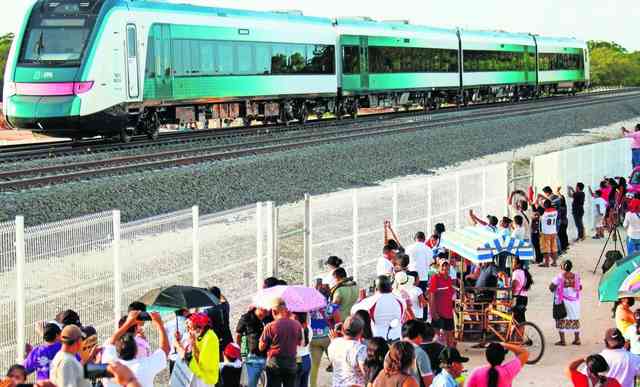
(497, 64)
(563, 64)
(104, 67)
(395, 64)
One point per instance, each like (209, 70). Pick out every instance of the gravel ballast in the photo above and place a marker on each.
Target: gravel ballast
(286, 176)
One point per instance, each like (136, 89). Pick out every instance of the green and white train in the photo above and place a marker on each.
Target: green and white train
(82, 68)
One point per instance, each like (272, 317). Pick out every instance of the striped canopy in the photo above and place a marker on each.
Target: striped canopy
(479, 244)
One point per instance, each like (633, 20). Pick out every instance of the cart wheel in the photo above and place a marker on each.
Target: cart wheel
(530, 337)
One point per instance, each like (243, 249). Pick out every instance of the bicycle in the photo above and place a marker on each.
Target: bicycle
(508, 330)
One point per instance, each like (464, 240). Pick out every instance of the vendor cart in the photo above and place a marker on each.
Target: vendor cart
(485, 314)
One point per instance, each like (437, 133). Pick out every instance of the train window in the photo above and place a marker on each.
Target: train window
(411, 60)
(150, 67)
(207, 58)
(245, 59)
(178, 67)
(225, 58)
(131, 41)
(297, 58)
(555, 62)
(194, 50)
(351, 59)
(485, 61)
(279, 58)
(263, 59)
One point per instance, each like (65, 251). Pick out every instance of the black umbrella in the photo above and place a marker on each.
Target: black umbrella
(180, 297)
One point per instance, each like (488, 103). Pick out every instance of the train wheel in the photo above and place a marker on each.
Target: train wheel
(125, 135)
(152, 126)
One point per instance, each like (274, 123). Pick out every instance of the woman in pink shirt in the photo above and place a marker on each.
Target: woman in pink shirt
(497, 374)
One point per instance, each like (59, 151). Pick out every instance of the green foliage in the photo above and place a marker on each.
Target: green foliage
(5, 45)
(612, 65)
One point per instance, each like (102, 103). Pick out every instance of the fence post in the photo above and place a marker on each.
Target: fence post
(274, 242)
(307, 240)
(259, 253)
(394, 215)
(355, 234)
(117, 270)
(20, 290)
(269, 222)
(429, 209)
(457, 207)
(195, 244)
(484, 191)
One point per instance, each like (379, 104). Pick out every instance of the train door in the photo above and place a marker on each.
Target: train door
(364, 62)
(133, 78)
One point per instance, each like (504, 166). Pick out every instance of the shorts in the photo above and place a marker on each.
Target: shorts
(446, 324)
(548, 244)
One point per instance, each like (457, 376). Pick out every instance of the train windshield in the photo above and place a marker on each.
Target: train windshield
(57, 34)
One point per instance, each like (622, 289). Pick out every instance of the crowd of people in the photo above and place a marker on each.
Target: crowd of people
(399, 332)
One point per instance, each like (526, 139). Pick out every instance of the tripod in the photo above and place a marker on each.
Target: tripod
(616, 238)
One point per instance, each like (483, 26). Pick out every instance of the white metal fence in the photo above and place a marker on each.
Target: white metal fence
(96, 265)
(588, 164)
(350, 224)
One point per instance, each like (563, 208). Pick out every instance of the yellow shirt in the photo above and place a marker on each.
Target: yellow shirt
(624, 319)
(208, 366)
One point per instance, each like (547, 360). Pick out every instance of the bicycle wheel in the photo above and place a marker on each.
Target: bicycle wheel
(530, 337)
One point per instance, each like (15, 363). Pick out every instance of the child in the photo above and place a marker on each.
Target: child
(519, 231)
(40, 357)
(303, 353)
(415, 295)
(17, 373)
(599, 210)
(231, 368)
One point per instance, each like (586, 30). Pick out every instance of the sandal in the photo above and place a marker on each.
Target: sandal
(576, 342)
(554, 264)
(543, 265)
(560, 344)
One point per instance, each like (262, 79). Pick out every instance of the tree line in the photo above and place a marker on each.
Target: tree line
(611, 64)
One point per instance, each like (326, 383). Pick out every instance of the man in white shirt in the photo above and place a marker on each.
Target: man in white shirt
(122, 347)
(384, 266)
(385, 309)
(632, 226)
(421, 258)
(623, 365)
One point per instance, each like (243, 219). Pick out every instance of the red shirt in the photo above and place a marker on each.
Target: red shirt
(442, 290)
(580, 380)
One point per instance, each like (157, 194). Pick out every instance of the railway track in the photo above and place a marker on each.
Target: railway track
(65, 172)
(23, 152)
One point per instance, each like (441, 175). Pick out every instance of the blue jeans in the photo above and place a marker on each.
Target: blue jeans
(255, 366)
(635, 157)
(304, 368)
(633, 246)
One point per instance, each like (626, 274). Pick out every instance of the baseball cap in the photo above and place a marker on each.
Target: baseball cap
(232, 351)
(71, 334)
(451, 355)
(614, 337)
(352, 326)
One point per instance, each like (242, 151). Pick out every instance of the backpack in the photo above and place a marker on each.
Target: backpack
(611, 257)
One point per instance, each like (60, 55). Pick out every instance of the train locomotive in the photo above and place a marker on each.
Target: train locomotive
(83, 68)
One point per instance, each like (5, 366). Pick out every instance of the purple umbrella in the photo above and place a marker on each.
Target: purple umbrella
(297, 298)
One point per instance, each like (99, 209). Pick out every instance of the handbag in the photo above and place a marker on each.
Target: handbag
(559, 310)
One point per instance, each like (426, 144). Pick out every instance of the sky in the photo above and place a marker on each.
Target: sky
(613, 20)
